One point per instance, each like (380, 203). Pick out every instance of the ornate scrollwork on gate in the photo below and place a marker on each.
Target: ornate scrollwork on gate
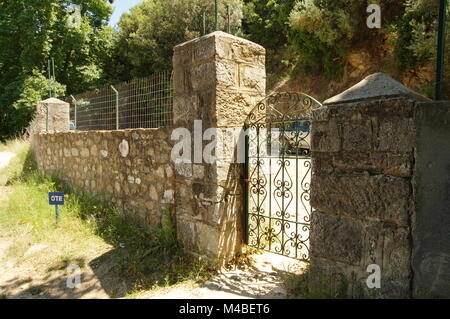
(279, 172)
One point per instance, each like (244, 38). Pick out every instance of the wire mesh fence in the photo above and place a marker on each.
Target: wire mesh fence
(140, 103)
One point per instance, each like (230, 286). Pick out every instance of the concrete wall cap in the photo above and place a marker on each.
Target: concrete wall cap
(377, 85)
(52, 100)
(217, 34)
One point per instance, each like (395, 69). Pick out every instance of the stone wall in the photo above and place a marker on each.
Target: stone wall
(218, 79)
(132, 168)
(370, 193)
(362, 196)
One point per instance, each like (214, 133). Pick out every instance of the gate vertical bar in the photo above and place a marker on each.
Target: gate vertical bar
(270, 184)
(297, 144)
(246, 186)
(283, 185)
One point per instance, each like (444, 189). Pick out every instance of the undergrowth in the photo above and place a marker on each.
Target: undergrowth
(146, 257)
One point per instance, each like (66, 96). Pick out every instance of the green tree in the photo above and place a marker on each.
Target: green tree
(267, 22)
(150, 31)
(416, 33)
(32, 32)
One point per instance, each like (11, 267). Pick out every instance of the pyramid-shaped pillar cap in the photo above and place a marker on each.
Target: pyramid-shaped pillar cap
(53, 100)
(377, 85)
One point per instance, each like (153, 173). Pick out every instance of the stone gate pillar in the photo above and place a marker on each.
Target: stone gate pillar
(52, 115)
(218, 78)
(363, 192)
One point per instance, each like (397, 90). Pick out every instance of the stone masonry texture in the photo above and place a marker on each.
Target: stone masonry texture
(52, 115)
(362, 197)
(379, 191)
(218, 79)
(131, 168)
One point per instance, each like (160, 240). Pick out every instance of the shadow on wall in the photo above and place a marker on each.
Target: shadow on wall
(232, 214)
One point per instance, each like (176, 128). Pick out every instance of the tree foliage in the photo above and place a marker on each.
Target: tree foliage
(321, 33)
(32, 32)
(313, 35)
(149, 32)
(266, 21)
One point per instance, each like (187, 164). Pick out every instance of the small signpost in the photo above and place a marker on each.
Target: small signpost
(57, 199)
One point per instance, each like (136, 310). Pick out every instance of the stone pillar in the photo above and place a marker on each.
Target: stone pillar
(218, 79)
(431, 225)
(53, 113)
(363, 143)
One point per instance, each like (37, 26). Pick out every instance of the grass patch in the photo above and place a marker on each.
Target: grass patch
(17, 165)
(297, 287)
(144, 257)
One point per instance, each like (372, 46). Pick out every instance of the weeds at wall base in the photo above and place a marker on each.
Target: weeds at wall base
(147, 257)
(143, 257)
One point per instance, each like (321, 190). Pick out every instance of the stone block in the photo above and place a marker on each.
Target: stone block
(325, 137)
(226, 74)
(198, 237)
(252, 78)
(395, 135)
(330, 279)
(336, 238)
(229, 47)
(321, 114)
(382, 108)
(379, 197)
(203, 76)
(357, 136)
(232, 107)
(343, 248)
(399, 165)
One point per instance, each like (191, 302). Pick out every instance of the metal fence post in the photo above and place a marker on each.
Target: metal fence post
(229, 19)
(75, 111)
(216, 15)
(46, 119)
(441, 49)
(117, 106)
(204, 23)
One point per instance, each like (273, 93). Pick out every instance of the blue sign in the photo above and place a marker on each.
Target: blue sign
(56, 198)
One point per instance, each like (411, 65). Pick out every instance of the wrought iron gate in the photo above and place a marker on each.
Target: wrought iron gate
(278, 172)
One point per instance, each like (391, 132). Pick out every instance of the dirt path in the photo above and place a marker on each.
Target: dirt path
(19, 279)
(263, 280)
(5, 158)
(26, 274)
(19, 276)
